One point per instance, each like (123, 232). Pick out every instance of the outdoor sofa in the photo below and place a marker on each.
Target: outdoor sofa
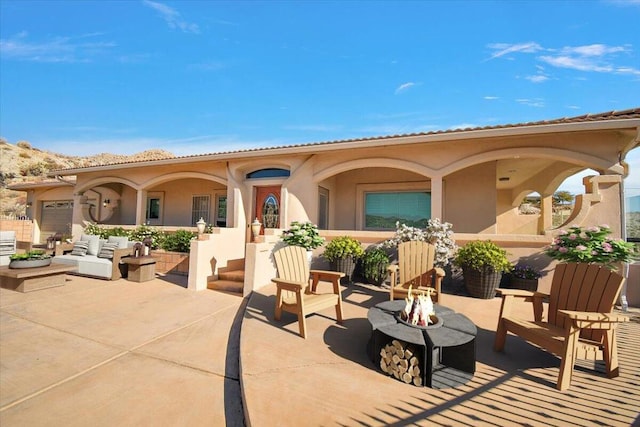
(97, 257)
(7, 246)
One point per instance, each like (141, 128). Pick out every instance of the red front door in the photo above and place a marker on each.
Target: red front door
(268, 206)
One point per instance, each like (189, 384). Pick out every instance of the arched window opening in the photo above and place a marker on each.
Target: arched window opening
(269, 173)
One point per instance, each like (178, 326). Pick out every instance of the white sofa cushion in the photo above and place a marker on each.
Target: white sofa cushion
(122, 241)
(94, 243)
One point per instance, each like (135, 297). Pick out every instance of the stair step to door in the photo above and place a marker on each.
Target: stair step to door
(226, 286)
(233, 276)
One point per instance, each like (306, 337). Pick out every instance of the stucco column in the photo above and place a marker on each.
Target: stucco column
(545, 221)
(437, 197)
(141, 206)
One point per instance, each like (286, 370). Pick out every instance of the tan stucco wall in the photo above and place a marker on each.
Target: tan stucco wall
(470, 199)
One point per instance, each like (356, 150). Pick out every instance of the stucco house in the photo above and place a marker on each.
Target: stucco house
(473, 178)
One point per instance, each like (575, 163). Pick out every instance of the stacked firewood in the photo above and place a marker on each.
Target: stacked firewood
(400, 360)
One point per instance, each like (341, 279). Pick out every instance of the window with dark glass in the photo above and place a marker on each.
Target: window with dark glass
(269, 173)
(383, 209)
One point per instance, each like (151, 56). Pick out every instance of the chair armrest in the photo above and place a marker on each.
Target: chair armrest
(591, 320)
(289, 285)
(439, 272)
(393, 268)
(521, 293)
(509, 295)
(327, 274)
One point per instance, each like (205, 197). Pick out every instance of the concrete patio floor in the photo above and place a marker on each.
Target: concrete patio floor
(102, 353)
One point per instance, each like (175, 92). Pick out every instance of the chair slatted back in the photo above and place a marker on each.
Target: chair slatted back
(292, 263)
(583, 287)
(415, 258)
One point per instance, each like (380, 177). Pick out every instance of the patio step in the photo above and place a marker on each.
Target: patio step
(234, 275)
(228, 281)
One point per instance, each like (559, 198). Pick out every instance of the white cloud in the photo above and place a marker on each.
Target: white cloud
(172, 17)
(536, 102)
(404, 87)
(502, 49)
(595, 57)
(538, 78)
(491, 98)
(56, 49)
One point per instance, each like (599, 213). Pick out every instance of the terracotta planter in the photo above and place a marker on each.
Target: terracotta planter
(481, 283)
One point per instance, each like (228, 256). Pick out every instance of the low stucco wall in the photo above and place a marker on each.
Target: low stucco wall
(213, 252)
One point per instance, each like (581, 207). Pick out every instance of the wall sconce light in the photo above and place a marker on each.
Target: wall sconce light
(201, 225)
(28, 204)
(106, 203)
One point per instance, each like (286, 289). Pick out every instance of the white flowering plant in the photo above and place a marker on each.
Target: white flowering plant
(438, 233)
(303, 234)
(591, 245)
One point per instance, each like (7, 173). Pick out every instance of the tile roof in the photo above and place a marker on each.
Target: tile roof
(632, 113)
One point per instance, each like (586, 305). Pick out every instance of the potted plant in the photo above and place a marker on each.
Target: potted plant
(439, 234)
(30, 259)
(525, 277)
(483, 263)
(303, 234)
(343, 252)
(374, 264)
(591, 245)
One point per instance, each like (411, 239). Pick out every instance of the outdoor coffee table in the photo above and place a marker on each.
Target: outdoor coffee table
(33, 279)
(447, 353)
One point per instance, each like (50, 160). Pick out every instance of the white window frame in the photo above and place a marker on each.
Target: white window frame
(362, 189)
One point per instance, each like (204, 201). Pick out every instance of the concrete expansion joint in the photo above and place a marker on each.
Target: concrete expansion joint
(61, 382)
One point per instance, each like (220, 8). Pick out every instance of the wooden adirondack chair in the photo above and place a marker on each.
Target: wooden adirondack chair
(295, 294)
(580, 320)
(415, 269)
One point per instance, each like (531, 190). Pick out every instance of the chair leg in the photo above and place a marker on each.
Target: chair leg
(569, 358)
(278, 313)
(611, 353)
(501, 336)
(302, 319)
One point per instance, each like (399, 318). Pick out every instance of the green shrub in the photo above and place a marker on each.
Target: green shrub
(180, 241)
(144, 231)
(342, 247)
(479, 254)
(374, 264)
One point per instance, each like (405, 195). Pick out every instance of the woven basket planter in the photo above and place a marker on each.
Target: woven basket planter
(481, 283)
(344, 265)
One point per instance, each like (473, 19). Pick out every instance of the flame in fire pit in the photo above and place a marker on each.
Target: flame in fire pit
(419, 308)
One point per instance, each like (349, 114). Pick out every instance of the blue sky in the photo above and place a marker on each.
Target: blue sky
(193, 77)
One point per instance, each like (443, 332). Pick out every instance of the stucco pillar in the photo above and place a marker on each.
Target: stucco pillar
(545, 221)
(437, 197)
(141, 206)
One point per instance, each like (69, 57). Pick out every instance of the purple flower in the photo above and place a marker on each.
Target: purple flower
(593, 229)
(573, 236)
(563, 250)
(581, 247)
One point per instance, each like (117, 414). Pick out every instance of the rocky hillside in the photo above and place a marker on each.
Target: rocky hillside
(21, 162)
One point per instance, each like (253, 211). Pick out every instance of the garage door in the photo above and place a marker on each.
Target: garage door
(56, 218)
